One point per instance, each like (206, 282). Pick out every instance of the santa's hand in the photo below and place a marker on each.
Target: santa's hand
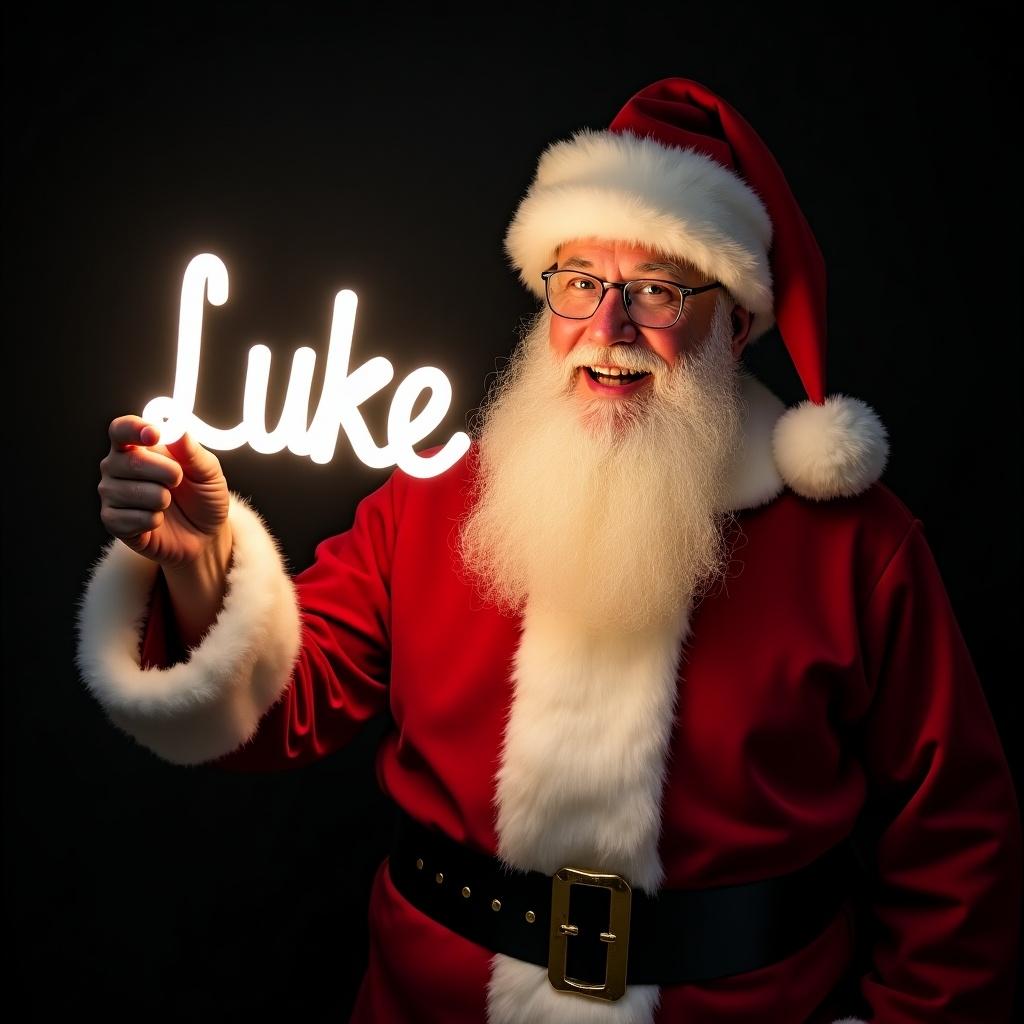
(167, 502)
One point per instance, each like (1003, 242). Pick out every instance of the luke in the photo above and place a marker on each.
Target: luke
(343, 392)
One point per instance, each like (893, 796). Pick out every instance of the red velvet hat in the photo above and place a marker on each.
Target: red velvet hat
(681, 172)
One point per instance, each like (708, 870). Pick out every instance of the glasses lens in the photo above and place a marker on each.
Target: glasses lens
(573, 294)
(653, 303)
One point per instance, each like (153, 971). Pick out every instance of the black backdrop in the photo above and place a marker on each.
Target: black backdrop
(350, 150)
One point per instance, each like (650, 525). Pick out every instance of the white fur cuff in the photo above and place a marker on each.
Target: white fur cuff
(210, 704)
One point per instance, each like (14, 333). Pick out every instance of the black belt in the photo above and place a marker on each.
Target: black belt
(594, 935)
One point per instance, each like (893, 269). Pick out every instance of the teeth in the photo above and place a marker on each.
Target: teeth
(612, 371)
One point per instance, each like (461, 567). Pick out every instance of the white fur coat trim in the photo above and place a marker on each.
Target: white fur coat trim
(212, 703)
(755, 478)
(679, 202)
(520, 994)
(579, 785)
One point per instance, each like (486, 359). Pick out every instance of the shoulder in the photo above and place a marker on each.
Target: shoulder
(448, 492)
(877, 510)
(854, 537)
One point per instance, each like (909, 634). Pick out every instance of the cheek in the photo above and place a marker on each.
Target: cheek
(670, 346)
(562, 336)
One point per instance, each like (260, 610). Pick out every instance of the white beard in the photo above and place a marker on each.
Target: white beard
(611, 511)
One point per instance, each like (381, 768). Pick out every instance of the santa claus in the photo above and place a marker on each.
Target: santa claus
(683, 725)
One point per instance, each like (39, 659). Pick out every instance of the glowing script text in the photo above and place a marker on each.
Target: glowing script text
(343, 392)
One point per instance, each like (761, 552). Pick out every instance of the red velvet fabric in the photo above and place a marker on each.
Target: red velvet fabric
(828, 670)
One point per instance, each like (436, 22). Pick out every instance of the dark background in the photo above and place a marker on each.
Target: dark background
(386, 152)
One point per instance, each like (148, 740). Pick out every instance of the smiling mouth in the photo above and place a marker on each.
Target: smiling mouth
(613, 376)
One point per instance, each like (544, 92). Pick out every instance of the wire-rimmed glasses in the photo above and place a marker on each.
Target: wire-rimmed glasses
(649, 302)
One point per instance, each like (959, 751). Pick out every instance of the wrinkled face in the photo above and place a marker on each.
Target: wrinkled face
(611, 337)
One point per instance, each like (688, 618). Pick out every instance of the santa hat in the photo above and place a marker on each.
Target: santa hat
(681, 172)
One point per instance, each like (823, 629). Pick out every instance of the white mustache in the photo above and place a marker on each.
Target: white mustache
(636, 360)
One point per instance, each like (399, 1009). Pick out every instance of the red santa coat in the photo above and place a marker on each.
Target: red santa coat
(827, 671)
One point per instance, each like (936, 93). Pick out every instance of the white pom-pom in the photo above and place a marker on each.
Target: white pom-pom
(838, 449)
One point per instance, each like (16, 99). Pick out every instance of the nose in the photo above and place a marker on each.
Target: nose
(610, 322)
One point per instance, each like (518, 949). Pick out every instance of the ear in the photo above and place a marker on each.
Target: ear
(742, 321)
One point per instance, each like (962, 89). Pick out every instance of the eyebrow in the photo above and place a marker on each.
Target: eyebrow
(661, 268)
(672, 269)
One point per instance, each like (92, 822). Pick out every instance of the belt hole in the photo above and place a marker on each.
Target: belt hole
(530, 917)
(419, 863)
(465, 891)
(439, 877)
(495, 905)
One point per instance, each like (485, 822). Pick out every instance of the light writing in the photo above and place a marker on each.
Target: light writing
(343, 392)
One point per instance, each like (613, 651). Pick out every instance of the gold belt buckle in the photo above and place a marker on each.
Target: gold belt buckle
(616, 937)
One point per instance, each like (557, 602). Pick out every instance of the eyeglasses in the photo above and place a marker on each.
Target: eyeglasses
(648, 302)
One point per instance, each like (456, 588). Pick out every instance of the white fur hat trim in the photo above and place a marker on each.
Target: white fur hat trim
(636, 190)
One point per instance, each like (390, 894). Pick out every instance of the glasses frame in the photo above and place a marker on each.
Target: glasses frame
(622, 286)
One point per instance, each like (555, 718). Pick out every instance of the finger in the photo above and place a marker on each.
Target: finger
(132, 430)
(133, 494)
(129, 524)
(142, 464)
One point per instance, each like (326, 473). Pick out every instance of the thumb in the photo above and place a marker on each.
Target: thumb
(195, 461)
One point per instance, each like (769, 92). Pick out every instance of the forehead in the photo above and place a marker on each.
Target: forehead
(600, 256)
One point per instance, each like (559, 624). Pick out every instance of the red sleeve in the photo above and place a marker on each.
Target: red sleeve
(945, 882)
(161, 643)
(340, 679)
